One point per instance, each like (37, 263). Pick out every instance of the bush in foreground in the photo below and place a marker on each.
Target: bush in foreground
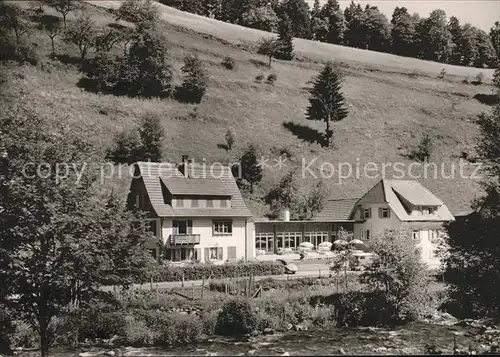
(398, 275)
(237, 317)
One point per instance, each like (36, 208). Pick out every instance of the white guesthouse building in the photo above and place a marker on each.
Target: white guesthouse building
(196, 214)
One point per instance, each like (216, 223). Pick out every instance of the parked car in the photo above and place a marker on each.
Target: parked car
(290, 268)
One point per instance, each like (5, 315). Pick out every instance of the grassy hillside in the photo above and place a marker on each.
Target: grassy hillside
(392, 102)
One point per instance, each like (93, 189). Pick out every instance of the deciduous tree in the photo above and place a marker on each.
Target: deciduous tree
(82, 33)
(62, 236)
(403, 33)
(64, 7)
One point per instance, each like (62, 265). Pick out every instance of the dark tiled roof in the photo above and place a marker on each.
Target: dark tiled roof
(153, 174)
(195, 186)
(337, 210)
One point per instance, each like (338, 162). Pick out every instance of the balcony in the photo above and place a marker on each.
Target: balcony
(178, 239)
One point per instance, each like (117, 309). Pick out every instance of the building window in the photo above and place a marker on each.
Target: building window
(180, 254)
(194, 202)
(137, 201)
(416, 234)
(222, 227)
(264, 241)
(367, 234)
(367, 213)
(183, 226)
(384, 213)
(223, 203)
(153, 228)
(179, 202)
(214, 253)
(210, 203)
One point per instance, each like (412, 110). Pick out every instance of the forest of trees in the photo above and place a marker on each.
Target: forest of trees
(436, 37)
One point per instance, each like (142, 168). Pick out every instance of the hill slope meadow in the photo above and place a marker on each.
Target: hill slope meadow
(392, 101)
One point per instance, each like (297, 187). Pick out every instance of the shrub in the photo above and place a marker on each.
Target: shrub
(228, 62)
(200, 271)
(272, 78)
(237, 317)
(399, 275)
(164, 328)
(195, 81)
(126, 148)
(365, 309)
(138, 334)
(259, 78)
(229, 136)
(479, 78)
(100, 321)
(423, 150)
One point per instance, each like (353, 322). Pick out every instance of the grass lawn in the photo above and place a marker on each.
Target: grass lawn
(392, 101)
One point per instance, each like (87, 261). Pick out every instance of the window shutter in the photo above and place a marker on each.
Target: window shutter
(230, 227)
(380, 212)
(189, 226)
(388, 213)
(220, 255)
(361, 213)
(197, 254)
(369, 213)
(231, 253)
(207, 254)
(175, 227)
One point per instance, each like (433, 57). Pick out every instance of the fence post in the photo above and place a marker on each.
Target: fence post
(192, 292)
(225, 287)
(182, 280)
(202, 287)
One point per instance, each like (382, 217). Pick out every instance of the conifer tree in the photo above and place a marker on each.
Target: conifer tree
(327, 103)
(285, 40)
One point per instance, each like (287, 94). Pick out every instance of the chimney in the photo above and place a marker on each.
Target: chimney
(286, 215)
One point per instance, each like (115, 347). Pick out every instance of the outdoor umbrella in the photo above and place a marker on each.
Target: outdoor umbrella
(325, 244)
(306, 245)
(340, 241)
(356, 241)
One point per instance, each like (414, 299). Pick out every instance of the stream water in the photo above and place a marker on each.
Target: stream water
(408, 340)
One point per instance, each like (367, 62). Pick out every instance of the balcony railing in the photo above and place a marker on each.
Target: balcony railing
(176, 239)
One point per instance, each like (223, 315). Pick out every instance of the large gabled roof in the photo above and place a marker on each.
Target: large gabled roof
(198, 177)
(415, 193)
(195, 186)
(337, 210)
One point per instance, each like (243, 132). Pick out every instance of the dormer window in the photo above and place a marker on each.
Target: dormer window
(223, 203)
(366, 213)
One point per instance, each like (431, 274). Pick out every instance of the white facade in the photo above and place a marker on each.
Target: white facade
(239, 244)
(375, 224)
(382, 209)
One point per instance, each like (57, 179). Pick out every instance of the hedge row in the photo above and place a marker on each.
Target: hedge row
(167, 273)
